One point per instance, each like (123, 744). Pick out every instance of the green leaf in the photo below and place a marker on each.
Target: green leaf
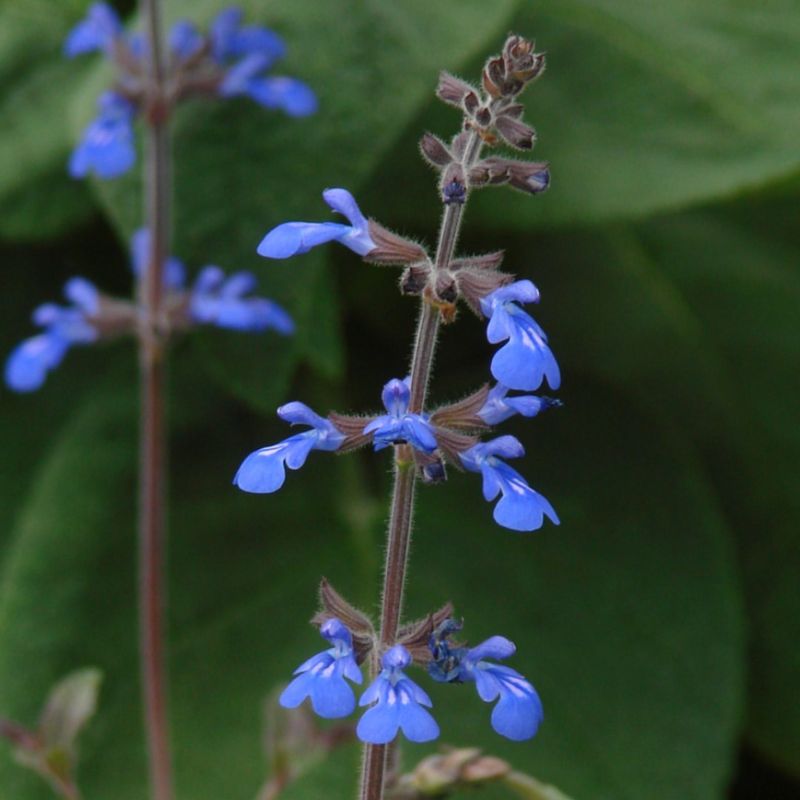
(37, 197)
(626, 617)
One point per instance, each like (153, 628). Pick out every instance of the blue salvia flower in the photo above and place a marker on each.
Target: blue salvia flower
(107, 147)
(518, 712)
(98, 31)
(220, 300)
(64, 326)
(185, 41)
(322, 677)
(264, 470)
(398, 704)
(257, 49)
(525, 360)
(293, 238)
(520, 508)
(398, 426)
(499, 407)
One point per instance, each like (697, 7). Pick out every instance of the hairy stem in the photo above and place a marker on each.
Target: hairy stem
(152, 444)
(403, 493)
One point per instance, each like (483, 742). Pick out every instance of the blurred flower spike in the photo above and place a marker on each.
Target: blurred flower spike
(294, 238)
(322, 677)
(214, 299)
(231, 60)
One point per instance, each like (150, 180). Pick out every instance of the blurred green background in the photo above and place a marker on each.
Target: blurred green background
(660, 621)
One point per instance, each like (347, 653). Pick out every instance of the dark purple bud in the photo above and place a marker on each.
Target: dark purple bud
(435, 151)
(516, 133)
(391, 248)
(445, 287)
(414, 636)
(454, 185)
(483, 117)
(494, 77)
(471, 103)
(431, 468)
(452, 90)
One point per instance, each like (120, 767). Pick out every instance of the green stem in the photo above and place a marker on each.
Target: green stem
(403, 493)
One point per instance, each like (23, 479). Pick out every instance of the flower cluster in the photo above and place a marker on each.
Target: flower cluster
(231, 60)
(213, 299)
(522, 363)
(398, 704)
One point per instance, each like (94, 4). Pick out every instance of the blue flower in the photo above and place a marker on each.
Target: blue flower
(230, 39)
(98, 31)
(219, 300)
(520, 508)
(107, 147)
(518, 712)
(293, 238)
(499, 407)
(525, 360)
(398, 704)
(322, 677)
(398, 425)
(257, 49)
(264, 470)
(29, 363)
(174, 270)
(185, 41)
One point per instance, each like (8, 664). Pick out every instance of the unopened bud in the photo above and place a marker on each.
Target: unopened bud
(494, 77)
(521, 62)
(445, 287)
(454, 185)
(515, 132)
(452, 90)
(435, 151)
(415, 279)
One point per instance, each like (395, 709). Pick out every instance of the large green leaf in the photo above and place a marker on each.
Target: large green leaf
(626, 616)
(37, 197)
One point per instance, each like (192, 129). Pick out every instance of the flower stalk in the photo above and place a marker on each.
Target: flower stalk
(153, 425)
(403, 492)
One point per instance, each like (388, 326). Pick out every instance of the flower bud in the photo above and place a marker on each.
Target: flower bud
(391, 248)
(452, 90)
(515, 132)
(435, 151)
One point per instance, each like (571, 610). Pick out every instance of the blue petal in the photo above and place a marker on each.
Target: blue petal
(290, 95)
(240, 76)
(297, 690)
(223, 32)
(255, 39)
(298, 413)
(30, 361)
(419, 433)
(379, 724)
(83, 294)
(520, 508)
(487, 684)
(298, 448)
(494, 647)
(185, 40)
(492, 485)
(294, 238)
(396, 393)
(518, 713)
(263, 471)
(343, 202)
(333, 629)
(331, 696)
(417, 724)
(96, 32)
(238, 284)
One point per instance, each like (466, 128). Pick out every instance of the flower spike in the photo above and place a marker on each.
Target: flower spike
(293, 238)
(264, 471)
(398, 426)
(525, 360)
(398, 704)
(520, 508)
(322, 677)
